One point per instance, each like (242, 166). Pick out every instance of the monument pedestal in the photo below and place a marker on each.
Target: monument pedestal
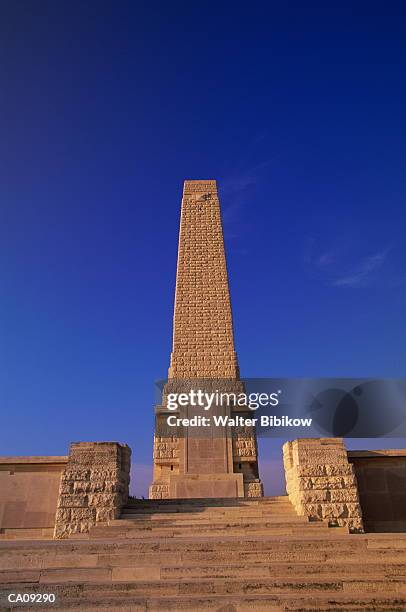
(186, 486)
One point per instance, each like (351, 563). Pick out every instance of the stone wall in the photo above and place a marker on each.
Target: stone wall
(321, 483)
(94, 486)
(381, 477)
(29, 489)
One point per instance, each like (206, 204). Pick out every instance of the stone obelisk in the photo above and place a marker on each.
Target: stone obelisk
(212, 462)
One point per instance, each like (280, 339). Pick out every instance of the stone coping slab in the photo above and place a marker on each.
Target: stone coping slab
(390, 452)
(34, 460)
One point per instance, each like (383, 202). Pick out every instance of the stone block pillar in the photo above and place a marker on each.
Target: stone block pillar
(94, 486)
(321, 483)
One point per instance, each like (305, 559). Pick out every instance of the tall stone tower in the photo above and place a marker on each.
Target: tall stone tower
(204, 461)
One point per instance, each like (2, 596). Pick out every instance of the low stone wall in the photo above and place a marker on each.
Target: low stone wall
(321, 483)
(29, 488)
(381, 477)
(94, 486)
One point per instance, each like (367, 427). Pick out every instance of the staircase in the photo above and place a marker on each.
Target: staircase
(208, 518)
(227, 555)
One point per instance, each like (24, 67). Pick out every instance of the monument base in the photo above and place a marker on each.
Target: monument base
(188, 486)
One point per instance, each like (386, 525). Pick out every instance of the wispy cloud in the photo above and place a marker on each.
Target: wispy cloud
(243, 179)
(344, 264)
(323, 259)
(362, 273)
(327, 258)
(239, 184)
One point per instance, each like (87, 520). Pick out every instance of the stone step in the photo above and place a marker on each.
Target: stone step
(240, 502)
(327, 540)
(120, 582)
(124, 531)
(153, 507)
(100, 569)
(206, 521)
(105, 557)
(274, 569)
(191, 505)
(246, 506)
(246, 603)
(206, 515)
(247, 586)
(189, 558)
(221, 551)
(259, 603)
(211, 500)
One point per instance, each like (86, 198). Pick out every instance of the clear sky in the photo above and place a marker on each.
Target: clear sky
(297, 109)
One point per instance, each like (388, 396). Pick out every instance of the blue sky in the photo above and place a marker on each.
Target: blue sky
(105, 108)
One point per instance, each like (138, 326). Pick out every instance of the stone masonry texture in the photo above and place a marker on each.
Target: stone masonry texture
(94, 486)
(203, 341)
(321, 482)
